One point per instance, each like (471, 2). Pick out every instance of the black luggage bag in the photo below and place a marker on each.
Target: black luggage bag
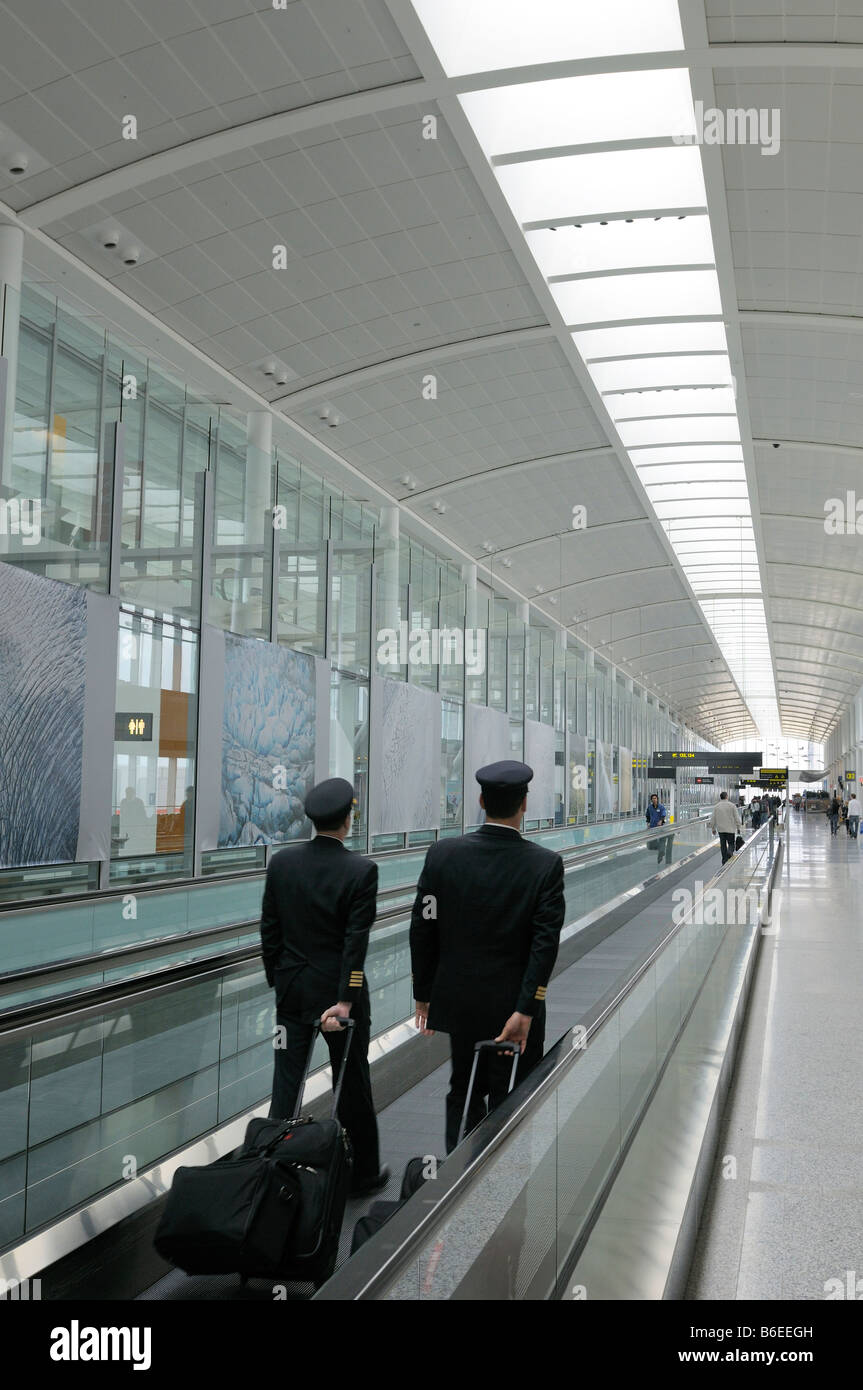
(416, 1173)
(271, 1209)
(380, 1212)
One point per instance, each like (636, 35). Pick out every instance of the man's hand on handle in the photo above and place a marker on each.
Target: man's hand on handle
(421, 1019)
(515, 1030)
(329, 1017)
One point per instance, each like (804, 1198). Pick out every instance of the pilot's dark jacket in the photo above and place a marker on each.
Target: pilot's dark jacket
(490, 949)
(319, 903)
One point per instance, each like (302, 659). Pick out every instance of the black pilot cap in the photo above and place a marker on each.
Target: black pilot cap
(505, 776)
(330, 799)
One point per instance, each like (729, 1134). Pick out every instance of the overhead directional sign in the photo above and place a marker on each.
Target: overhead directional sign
(675, 758)
(732, 762)
(669, 773)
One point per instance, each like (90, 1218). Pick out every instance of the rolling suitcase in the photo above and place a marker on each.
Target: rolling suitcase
(271, 1209)
(415, 1174)
(380, 1212)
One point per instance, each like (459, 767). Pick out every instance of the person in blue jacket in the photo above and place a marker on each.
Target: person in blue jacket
(655, 815)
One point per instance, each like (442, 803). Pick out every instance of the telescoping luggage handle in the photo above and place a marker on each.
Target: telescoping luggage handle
(347, 1023)
(494, 1046)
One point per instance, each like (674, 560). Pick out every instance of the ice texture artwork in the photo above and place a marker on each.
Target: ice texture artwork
(43, 639)
(606, 792)
(540, 744)
(625, 780)
(268, 743)
(406, 731)
(487, 740)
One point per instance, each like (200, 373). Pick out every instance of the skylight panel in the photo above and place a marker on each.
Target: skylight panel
(632, 405)
(615, 181)
(678, 428)
(597, 109)
(705, 532)
(688, 490)
(650, 339)
(604, 298)
(623, 240)
(482, 35)
(707, 369)
(697, 473)
(689, 453)
(698, 507)
(623, 244)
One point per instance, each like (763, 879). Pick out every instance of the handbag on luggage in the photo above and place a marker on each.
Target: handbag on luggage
(271, 1209)
(416, 1174)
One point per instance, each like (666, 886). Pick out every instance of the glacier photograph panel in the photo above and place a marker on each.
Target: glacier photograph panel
(539, 749)
(43, 654)
(268, 743)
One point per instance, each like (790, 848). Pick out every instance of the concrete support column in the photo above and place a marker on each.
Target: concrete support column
(11, 263)
(259, 469)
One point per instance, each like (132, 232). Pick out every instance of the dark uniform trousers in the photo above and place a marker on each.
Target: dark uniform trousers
(356, 1110)
(492, 1077)
(727, 840)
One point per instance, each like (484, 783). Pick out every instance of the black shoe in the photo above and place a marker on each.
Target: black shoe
(369, 1186)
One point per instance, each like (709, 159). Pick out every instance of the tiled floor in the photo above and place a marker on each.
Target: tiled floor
(414, 1124)
(791, 1221)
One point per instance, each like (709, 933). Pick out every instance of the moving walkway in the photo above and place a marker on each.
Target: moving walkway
(112, 1085)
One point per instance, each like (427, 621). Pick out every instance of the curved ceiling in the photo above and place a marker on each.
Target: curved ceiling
(307, 128)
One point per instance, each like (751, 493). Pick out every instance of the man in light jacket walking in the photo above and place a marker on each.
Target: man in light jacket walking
(725, 822)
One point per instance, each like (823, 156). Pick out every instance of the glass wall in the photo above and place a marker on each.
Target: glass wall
(153, 815)
(198, 498)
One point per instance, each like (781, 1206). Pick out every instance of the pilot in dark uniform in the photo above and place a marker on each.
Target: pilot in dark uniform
(319, 904)
(484, 936)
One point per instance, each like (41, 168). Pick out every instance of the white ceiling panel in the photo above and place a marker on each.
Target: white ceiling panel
(395, 249)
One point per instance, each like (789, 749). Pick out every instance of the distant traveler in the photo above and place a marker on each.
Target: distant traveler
(855, 811)
(726, 823)
(755, 809)
(655, 815)
(484, 935)
(319, 903)
(833, 814)
(134, 823)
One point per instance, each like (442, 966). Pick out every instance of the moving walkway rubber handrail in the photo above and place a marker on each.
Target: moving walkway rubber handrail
(386, 1255)
(32, 977)
(60, 900)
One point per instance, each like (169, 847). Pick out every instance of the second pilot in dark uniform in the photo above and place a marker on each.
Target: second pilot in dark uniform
(484, 936)
(319, 904)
